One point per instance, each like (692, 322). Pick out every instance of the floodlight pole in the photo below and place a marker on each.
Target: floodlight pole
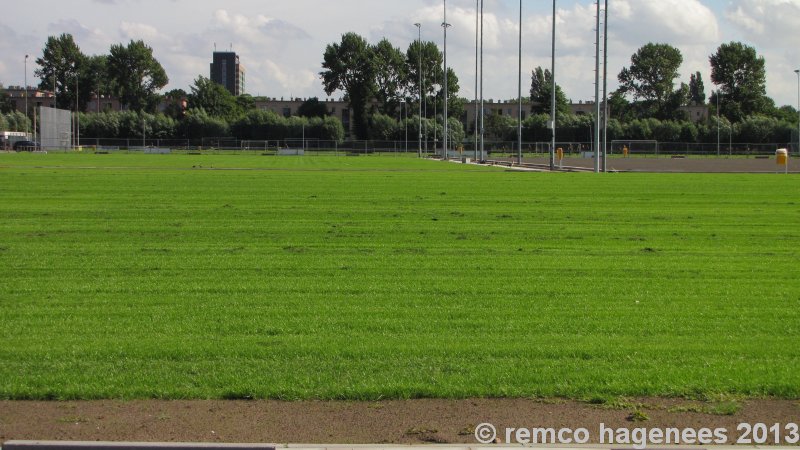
(419, 86)
(26, 95)
(798, 109)
(597, 92)
(605, 88)
(477, 29)
(519, 90)
(446, 137)
(483, 140)
(718, 125)
(77, 110)
(553, 93)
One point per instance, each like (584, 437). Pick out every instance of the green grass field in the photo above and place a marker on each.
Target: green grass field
(136, 276)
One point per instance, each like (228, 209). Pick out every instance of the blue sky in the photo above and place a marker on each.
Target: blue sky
(281, 42)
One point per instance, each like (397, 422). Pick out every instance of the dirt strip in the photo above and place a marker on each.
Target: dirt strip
(383, 422)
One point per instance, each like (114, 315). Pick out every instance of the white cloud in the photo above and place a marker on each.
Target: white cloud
(772, 22)
(294, 82)
(135, 31)
(90, 40)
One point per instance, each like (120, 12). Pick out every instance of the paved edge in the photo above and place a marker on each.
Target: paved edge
(88, 445)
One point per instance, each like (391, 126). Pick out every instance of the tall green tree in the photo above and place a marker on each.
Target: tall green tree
(213, 98)
(61, 65)
(741, 75)
(542, 93)
(697, 90)
(136, 75)
(390, 77)
(651, 77)
(349, 66)
(428, 56)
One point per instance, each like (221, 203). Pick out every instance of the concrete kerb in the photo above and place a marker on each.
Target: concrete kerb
(84, 445)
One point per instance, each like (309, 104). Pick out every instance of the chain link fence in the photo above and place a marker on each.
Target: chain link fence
(494, 149)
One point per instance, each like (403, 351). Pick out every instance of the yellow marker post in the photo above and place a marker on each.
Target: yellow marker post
(782, 159)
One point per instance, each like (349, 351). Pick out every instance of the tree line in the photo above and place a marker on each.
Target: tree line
(382, 85)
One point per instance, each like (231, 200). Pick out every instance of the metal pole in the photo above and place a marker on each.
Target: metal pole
(483, 142)
(419, 86)
(519, 90)
(798, 109)
(405, 111)
(605, 88)
(446, 136)
(77, 111)
(435, 122)
(553, 94)
(597, 92)
(718, 125)
(425, 111)
(26, 96)
(477, 29)
(730, 139)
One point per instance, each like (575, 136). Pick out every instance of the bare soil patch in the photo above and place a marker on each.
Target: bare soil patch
(395, 421)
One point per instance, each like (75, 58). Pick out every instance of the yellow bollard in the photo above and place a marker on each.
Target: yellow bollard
(782, 158)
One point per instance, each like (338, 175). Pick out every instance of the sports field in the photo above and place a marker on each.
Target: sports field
(145, 276)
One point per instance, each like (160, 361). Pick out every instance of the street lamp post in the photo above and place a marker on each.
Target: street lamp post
(419, 86)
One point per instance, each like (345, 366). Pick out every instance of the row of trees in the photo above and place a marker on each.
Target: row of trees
(197, 123)
(578, 128)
